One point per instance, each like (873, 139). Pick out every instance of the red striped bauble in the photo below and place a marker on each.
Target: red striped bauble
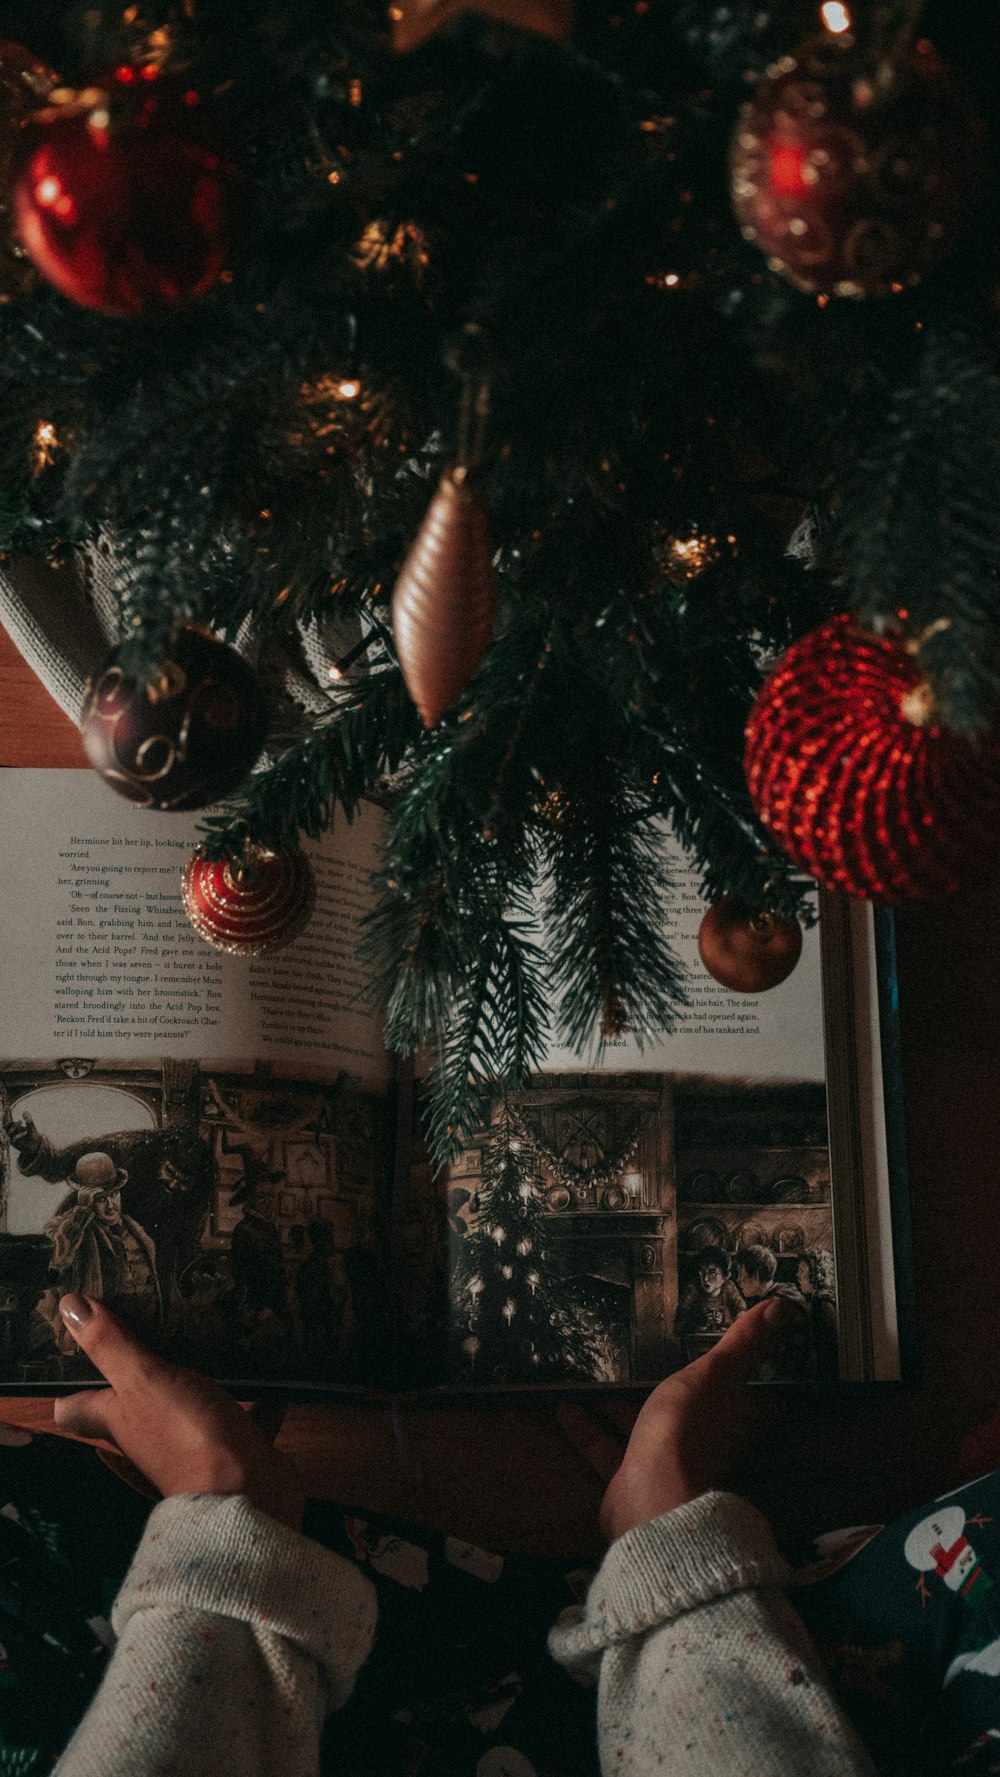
(858, 782)
(252, 908)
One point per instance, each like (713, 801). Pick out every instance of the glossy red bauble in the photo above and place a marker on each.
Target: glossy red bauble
(126, 197)
(745, 951)
(853, 175)
(253, 908)
(859, 784)
(25, 83)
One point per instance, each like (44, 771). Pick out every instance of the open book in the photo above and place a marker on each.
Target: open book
(218, 1147)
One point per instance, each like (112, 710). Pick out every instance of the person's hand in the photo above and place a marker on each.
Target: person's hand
(181, 1431)
(690, 1431)
(19, 1134)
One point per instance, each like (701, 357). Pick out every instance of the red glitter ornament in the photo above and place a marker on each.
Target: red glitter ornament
(745, 951)
(854, 174)
(250, 908)
(858, 783)
(125, 196)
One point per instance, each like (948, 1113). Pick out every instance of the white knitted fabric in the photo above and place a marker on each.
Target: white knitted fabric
(65, 621)
(49, 618)
(704, 1667)
(236, 1637)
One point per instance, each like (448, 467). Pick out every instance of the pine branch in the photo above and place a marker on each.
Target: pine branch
(446, 888)
(917, 533)
(344, 758)
(607, 891)
(495, 1036)
(268, 455)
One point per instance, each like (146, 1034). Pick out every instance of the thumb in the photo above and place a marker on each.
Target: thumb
(755, 1335)
(111, 1348)
(87, 1414)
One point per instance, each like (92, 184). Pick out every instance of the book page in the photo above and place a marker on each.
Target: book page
(97, 949)
(196, 1138)
(773, 1035)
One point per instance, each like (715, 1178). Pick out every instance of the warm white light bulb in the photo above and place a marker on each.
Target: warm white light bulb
(835, 17)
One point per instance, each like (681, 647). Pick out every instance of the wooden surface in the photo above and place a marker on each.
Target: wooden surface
(507, 1478)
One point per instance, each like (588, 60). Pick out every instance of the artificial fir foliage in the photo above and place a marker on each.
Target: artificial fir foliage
(510, 1326)
(665, 409)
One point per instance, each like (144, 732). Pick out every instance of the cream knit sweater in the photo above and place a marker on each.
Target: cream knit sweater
(704, 1667)
(237, 1637)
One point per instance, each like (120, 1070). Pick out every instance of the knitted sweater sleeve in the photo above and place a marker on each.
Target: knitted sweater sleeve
(235, 1637)
(704, 1667)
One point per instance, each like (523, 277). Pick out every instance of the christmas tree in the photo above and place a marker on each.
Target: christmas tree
(563, 327)
(514, 1329)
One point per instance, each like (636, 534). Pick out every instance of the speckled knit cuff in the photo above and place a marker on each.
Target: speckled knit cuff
(714, 1545)
(220, 1556)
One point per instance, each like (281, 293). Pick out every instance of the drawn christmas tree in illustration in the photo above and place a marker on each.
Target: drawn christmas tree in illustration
(513, 1327)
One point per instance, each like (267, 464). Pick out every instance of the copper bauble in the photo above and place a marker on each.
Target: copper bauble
(855, 175)
(25, 83)
(250, 908)
(413, 21)
(856, 779)
(182, 737)
(745, 951)
(444, 606)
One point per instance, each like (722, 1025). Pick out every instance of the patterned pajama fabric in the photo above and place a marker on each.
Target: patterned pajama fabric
(907, 1620)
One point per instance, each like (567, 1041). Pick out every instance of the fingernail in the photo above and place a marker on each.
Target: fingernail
(75, 1310)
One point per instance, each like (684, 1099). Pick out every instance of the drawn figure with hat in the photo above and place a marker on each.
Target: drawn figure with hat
(97, 1251)
(171, 1178)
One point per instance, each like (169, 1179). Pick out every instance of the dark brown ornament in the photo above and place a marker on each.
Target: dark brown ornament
(413, 21)
(181, 738)
(854, 174)
(250, 908)
(745, 951)
(444, 606)
(25, 84)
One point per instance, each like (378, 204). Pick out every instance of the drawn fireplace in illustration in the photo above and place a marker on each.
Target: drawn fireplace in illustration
(648, 1181)
(596, 1152)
